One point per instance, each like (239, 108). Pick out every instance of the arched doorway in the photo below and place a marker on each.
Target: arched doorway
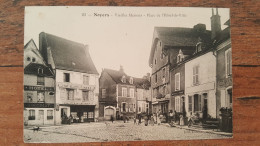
(108, 112)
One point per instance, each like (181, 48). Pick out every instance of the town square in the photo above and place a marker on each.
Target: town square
(132, 78)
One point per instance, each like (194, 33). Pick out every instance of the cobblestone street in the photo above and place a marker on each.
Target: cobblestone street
(117, 131)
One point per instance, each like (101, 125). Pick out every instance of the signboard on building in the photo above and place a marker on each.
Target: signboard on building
(38, 105)
(38, 88)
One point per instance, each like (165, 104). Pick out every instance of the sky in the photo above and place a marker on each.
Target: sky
(116, 36)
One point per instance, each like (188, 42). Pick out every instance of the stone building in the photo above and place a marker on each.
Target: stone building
(38, 96)
(76, 78)
(118, 94)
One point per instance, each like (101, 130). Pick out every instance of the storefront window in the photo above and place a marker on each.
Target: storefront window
(90, 114)
(31, 115)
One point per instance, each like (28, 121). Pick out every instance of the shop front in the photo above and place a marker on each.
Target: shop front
(82, 113)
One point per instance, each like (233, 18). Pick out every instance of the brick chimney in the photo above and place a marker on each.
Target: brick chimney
(215, 24)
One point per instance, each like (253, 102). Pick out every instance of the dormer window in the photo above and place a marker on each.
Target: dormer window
(180, 57)
(40, 71)
(123, 79)
(198, 47)
(131, 80)
(28, 59)
(33, 59)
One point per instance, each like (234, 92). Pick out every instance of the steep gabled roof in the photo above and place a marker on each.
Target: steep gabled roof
(177, 37)
(69, 55)
(116, 75)
(32, 68)
(31, 46)
(142, 83)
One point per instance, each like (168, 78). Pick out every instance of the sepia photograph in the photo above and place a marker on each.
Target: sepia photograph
(101, 74)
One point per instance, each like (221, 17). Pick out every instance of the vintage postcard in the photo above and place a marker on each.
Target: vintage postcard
(97, 74)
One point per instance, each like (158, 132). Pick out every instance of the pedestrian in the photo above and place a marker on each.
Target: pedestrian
(139, 119)
(152, 120)
(145, 120)
(112, 118)
(159, 117)
(171, 116)
(134, 120)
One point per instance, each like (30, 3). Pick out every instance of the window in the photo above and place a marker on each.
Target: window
(28, 59)
(90, 114)
(130, 108)
(33, 59)
(49, 114)
(85, 80)
(155, 61)
(228, 62)
(29, 97)
(40, 71)
(63, 112)
(190, 103)
(85, 95)
(197, 102)
(66, 77)
(229, 97)
(70, 94)
(40, 80)
(131, 80)
(132, 93)
(195, 75)
(177, 104)
(163, 72)
(198, 47)
(123, 79)
(85, 115)
(31, 115)
(40, 96)
(124, 107)
(177, 81)
(162, 55)
(124, 92)
(103, 93)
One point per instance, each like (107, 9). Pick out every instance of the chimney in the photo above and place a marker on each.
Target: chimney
(215, 24)
(121, 68)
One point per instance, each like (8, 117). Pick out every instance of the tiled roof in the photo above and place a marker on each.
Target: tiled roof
(117, 76)
(142, 83)
(69, 55)
(32, 68)
(177, 37)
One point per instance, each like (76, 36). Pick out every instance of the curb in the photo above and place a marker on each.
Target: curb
(206, 131)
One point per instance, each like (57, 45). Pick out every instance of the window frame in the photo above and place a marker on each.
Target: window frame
(85, 98)
(43, 94)
(86, 79)
(228, 62)
(177, 84)
(124, 92)
(66, 77)
(49, 117)
(31, 114)
(68, 90)
(103, 93)
(132, 92)
(195, 75)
